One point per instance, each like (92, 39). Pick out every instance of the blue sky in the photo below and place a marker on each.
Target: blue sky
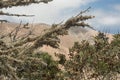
(106, 12)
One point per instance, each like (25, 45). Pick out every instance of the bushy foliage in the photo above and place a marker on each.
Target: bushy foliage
(20, 60)
(17, 53)
(33, 70)
(99, 61)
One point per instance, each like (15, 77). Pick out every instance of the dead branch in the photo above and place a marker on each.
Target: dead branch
(10, 3)
(8, 14)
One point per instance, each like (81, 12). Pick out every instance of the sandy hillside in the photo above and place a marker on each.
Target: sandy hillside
(75, 34)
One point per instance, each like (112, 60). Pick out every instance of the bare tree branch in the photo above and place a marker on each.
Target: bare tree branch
(10, 3)
(8, 14)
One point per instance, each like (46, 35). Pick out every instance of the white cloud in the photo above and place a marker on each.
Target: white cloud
(107, 18)
(71, 4)
(53, 12)
(117, 7)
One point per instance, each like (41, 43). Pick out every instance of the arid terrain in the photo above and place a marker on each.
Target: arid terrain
(75, 35)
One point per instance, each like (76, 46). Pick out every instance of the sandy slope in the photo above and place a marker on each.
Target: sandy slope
(67, 41)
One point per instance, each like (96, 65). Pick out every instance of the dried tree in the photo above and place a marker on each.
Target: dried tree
(19, 51)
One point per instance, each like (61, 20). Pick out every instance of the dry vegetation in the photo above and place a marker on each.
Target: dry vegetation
(20, 60)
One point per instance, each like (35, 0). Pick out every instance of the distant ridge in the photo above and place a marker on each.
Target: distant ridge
(67, 41)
